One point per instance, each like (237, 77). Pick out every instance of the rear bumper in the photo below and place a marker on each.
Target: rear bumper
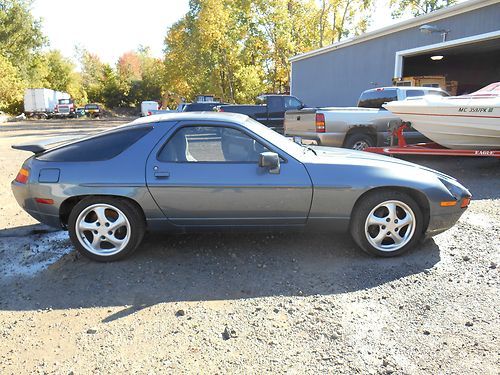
(43, 213)
(323, 139)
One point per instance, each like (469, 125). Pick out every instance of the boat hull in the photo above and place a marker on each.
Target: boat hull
(472, 126)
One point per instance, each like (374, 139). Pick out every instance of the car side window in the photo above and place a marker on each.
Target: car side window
(195, 144)
(292, 103)
(275, 104)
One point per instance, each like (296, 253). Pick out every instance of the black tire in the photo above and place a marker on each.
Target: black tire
(359, 141)
(364, 208)
(134, 216)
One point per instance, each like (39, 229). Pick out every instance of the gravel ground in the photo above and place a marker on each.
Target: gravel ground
(249, 303)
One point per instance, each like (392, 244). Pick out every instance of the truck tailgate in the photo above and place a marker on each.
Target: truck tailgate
(300, 122)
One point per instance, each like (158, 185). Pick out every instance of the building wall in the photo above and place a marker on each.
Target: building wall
(337, 78)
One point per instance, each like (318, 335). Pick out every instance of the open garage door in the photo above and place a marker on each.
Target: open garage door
(466, 65)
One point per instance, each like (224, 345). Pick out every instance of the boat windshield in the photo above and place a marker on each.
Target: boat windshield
(490, 90)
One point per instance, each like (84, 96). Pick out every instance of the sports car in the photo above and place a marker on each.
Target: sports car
(184, 172)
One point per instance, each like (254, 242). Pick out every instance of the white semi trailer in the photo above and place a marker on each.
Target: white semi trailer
(41, 103)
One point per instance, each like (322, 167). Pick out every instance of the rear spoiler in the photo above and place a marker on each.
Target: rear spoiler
(39, 146)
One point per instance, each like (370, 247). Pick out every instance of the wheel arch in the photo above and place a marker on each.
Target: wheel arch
(67, 205)
(361, 129)
(417, 195)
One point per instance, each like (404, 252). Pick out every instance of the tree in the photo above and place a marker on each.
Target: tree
(60, 71)
(152, 78)
(21, 36)
(92, 75)
(236, 49)
(11, 87)
(418, 7)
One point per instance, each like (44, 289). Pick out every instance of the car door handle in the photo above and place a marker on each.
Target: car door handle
(162, 174)
(298, 118)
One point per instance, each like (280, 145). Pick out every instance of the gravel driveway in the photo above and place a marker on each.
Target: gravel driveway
(249, 303)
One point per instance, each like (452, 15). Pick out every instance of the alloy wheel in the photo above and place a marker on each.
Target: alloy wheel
(360, 145)
(390, 225)
(103, 229)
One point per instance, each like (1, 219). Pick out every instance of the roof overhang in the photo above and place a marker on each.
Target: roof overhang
(437, 15)
(398, 66)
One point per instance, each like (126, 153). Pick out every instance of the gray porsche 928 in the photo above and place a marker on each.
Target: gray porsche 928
(216, 171)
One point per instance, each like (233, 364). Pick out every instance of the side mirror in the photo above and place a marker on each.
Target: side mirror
(297, 139)
(271, 161)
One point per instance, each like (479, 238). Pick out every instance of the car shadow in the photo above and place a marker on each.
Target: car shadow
(201, 267)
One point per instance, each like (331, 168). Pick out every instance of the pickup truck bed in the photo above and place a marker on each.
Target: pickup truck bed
(339, 125)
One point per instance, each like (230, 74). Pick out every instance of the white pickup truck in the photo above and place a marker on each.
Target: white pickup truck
(355, 127)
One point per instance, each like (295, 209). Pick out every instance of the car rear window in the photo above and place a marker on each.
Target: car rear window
(375, 99)
(101, 147)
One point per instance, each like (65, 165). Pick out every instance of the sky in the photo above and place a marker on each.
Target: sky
(107, 28)
(110, 28)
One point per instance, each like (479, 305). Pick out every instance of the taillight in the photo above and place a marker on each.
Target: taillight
(320, 123)
(23, 175)
(149, 113)
(220, 109)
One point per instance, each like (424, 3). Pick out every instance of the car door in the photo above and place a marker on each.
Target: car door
(207, 174)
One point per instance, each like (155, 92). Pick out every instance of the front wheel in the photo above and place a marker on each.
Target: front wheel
(387, 223)
(105, 229)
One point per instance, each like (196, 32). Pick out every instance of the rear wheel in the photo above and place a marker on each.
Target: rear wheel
(387, 223)
(105, 229)
(359, 141)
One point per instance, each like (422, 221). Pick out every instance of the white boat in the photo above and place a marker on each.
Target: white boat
(458, 122)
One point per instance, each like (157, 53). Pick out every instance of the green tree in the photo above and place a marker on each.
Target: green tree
(152, 78)
(60, 70)
(11, 87)
(417, 7)
(21, 36)
(113, 92)
(93, 76)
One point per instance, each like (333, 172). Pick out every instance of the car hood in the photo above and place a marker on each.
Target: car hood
(333, 155)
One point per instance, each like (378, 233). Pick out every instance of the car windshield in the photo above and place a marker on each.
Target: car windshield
(64, 101)
(276, 139)
(91, 106)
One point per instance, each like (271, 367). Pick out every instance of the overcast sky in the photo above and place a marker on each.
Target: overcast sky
(111, 27)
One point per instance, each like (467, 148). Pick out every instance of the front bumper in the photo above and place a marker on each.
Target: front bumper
(441, 222)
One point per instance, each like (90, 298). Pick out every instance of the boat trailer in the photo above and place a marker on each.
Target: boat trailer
(431, 148)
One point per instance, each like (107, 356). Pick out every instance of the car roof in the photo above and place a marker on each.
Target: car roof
(406, 88)
(195, 116)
